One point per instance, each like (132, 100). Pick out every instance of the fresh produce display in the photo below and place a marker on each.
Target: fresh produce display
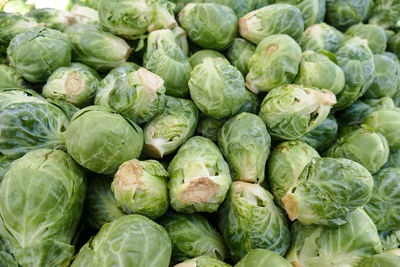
(200, 133)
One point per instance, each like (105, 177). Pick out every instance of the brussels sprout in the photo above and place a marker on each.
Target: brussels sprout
(51, 51)
(274, 63)
(239, 54)
(346, 245)
(170, 129)
(245, 143)
(327, 191)
(363, 146)
(199, 177)
(15, 6)
(192, 236)
(52, 18)
(5, 164)
(209, 25)
(387, 123)
(100, 140)
(394, 44)
(373, 33)
(270, 20)
(165, 58)
(292, 111)
(76, 84)
(381, 260)
(394, 160)
(262, 258)
(28, 122)
(390, 240)
(197, 58)
(132, 239)
(249, 219)
(285, 165)
(251, 103)
(209, 127)
(344, 13)
(318, 70)
(141, 187)
(321, 37)
(100, 206)
(312, 11)
(202, 261)
(138, 96)
(386, 78)
(84, 14)
(357, 62)
(96, 48)
(383, 208)
(217, 88)
(41, 203)
(10, 78)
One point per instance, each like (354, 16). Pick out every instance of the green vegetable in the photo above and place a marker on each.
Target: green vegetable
(312, 11)
(381, 260)
(345, 13)
(324, 135)
(209, 127)
(198, 57)
(52, 18)
(203, 261)
(10, 78)
(373, 33)
(390, 240)
(262, 258)
(321, 37)
(239, 54)
(394, 44)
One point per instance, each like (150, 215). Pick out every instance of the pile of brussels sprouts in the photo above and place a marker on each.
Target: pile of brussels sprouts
(203, 133)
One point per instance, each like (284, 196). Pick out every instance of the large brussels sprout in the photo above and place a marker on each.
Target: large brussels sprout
(373, 33)
(52, 18)
(136, 95)
(363, 146)
(76, 84)
(217, 88)
(345, 13)
(41, 203)
(132, 240)
(386, 13)
(198, 57)
(192, 236)
(51, 51)
(327, 191)
(239, 54)
(96, 48)
(386, 122)
(262, 258)
(381, 260)
(292, 111)
(318, 70)
(285, 165)
(357, 62)
(313, 11)
(347, 245)
(10, 78)
(274, 63)
(28, 122)
(324, 135)
(165, 58)
(384, 206)
(141, 187)
(100, 140)
(209, 127)
(202, 261)
(321, 37)
(249, 219)
(199, 177)
(270, 20)
(245, 143)
(170, 129)
(394, 44)
(209, 25)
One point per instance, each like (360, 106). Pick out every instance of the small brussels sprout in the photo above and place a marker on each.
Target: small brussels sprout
(10, 78)
(76, 84)
(132, 239)
(292, 111)
(327, 191)
(202, 261)
(15, 6)
(209, 127)
(96, 48)
(197, 58)
(249, 219)
(345, 13)
(386, 78)
(384, 206)
(100, 140)
(199, 177)
(346, 245)
(394, 160)
(390, 240)
(217, 88)
(239, 54)
(270, 20)
(51, 51)
(165, 58)
(274, 63)
(141, 187)
(394, 44)
(171, 128)
(47, 189)
(321, 37)
(312, 11)
(245, 143)
(192, 236)
(262, 258)
(318, 70)
(387, 123)
(357, 62)
(138, 95)
(373, 33)
(52, 18)
(209, 25)
(380, 260)
(28, 122)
